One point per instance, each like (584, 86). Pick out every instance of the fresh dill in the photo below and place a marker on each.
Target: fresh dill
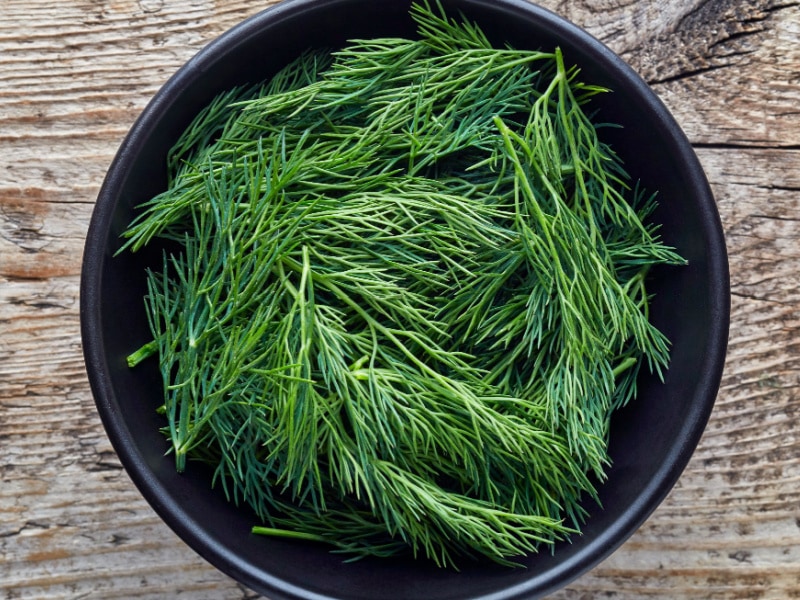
(409, 293)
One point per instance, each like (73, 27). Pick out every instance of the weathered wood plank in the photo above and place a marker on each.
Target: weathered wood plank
(73, 77)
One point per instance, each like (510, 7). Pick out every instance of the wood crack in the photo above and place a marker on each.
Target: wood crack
(776, 7)
(25, 527)
(736, 36)
(689, 74)
(777, 218)
(743, 146)
(757, 298)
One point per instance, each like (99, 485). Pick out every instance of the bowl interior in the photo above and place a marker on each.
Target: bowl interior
(652, 439)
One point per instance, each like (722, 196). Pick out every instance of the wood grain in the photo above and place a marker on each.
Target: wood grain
(74, 74)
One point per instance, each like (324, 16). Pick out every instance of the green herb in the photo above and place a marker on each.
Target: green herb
(407, 296)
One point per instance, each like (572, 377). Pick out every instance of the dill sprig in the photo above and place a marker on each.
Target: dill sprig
(407, 296)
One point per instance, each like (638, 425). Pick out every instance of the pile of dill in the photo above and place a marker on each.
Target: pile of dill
(408, 294)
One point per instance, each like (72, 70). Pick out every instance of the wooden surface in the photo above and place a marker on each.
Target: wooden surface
(74, 74)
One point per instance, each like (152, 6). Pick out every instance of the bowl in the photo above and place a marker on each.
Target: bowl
(652, 438)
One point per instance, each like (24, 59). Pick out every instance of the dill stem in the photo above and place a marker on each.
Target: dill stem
(624, 366)
(522, 178)
(285, 533)
(143, 353)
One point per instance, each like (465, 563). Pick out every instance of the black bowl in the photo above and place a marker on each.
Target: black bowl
(652, 440)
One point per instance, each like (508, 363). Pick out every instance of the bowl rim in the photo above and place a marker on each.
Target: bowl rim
(192, 532)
